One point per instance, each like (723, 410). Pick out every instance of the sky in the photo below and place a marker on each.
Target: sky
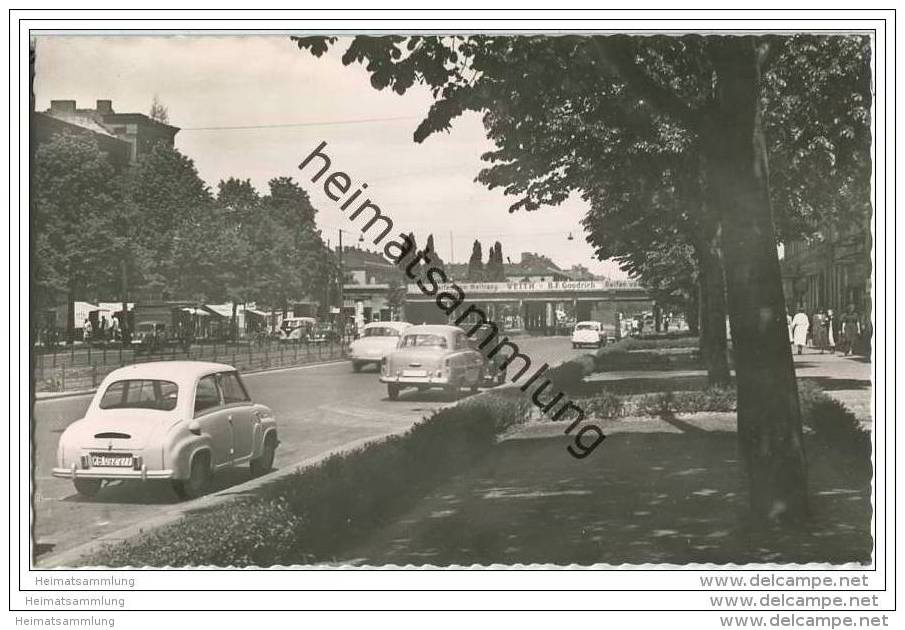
(253, 106)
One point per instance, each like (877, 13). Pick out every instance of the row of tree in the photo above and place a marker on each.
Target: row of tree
(493, 271)
(102, 234)
(696, 155)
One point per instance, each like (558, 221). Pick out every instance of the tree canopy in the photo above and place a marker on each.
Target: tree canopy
(162, 222)
(629, 120)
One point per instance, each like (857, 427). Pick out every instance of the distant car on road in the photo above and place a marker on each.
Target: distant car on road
(588, 334)
(296, 329)
(323, 333)
(180, 421)
(150, 337)
(377, 340)
(430, 356)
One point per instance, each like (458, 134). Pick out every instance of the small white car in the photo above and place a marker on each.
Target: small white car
(180, 421)
(588, 334)
(377, 340)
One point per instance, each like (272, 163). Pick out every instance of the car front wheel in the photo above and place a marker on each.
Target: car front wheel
(198, 481)
(87, 487)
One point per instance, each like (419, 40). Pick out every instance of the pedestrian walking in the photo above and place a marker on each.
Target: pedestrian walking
(818, 331)
(86, 331)
(867, 333)
(800, 325)
(851, 328)
(829, 324)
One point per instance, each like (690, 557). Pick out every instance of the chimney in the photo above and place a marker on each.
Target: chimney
(62, 107)
(104, 106)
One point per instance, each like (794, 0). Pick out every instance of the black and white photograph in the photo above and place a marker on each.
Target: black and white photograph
(440, 297)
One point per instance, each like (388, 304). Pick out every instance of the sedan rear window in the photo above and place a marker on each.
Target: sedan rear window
(140, 394)
(587, 327)
(436, 341)
(381, 331)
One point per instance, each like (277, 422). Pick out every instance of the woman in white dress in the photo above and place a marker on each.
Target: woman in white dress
(800, 325)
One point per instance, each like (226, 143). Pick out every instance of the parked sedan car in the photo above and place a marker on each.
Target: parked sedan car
(588, 334)
(430, 356)
(377, 340)
(180, 421)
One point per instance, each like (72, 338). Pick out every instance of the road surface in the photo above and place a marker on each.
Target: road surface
(318, 408)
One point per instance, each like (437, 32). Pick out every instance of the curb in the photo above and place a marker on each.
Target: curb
(177, 511)
(42, 396)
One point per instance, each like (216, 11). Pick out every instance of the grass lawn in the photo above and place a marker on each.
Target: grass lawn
(658, 497)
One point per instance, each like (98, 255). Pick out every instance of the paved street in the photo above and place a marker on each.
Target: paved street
(318, 408)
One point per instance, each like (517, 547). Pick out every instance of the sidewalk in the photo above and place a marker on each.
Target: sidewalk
(654, 492)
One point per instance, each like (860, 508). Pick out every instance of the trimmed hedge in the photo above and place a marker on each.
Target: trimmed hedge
(623, 355)
(611, 405)
(828, 417)
(646, 360)
(509, 406)
(831, 420)
(634, 343)
(312, 514)
(569, 374)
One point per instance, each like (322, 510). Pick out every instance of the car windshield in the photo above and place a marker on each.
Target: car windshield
(436, 341)
(381, 331)
(140, 394)
(586, 327)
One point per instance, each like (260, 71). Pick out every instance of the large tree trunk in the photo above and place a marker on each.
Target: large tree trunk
(693, 311)
(234, 323)
(769, 423)
(70, 317)
(713, 312)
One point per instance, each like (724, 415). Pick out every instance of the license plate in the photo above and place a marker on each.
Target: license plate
(414, 372)
(111, 460)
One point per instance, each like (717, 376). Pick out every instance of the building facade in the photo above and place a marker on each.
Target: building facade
(134, 134)
(831, 270)
(373, 289)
